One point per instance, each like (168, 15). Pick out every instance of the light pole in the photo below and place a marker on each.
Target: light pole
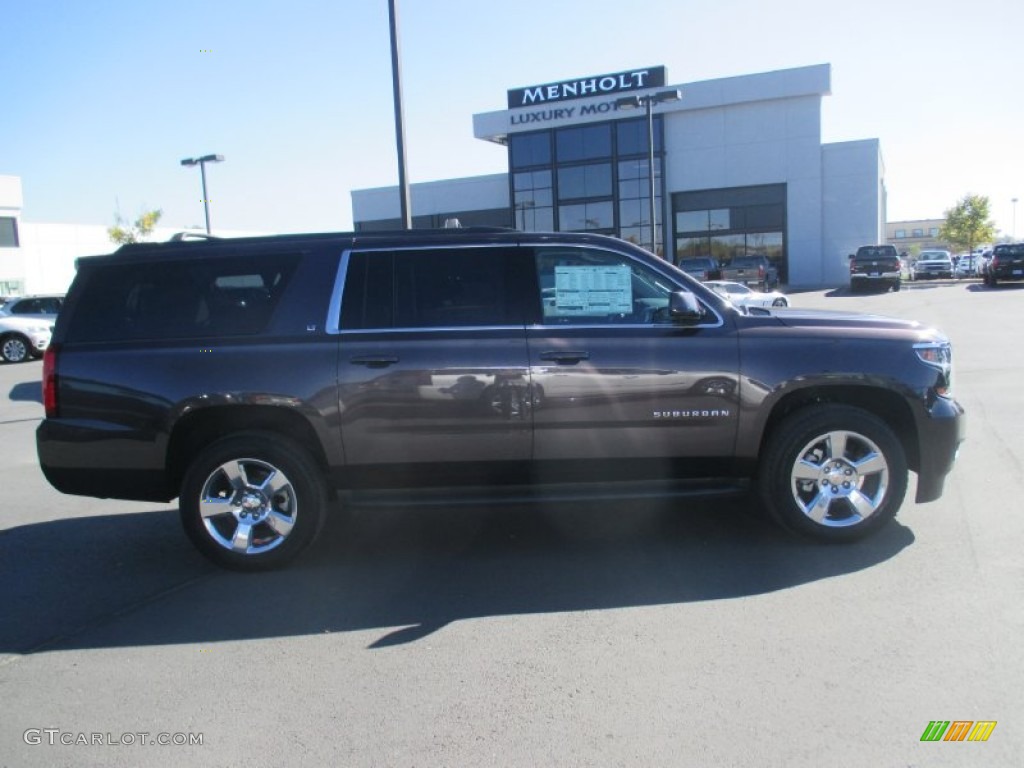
(396, 90)
(1014, 230)
(201, 162)
(648, 100)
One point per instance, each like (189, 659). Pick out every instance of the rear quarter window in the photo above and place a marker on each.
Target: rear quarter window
(875, 253)
(179, 299)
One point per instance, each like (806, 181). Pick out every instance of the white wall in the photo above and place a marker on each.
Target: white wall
(854, 206)
(476, 193)
(46, 258)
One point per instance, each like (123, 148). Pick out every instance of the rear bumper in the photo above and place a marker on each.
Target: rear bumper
(84, 459)
(1007, 274)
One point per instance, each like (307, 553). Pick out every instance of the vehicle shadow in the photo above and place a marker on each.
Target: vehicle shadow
(981, 287)
(27, 392)
(132, 579)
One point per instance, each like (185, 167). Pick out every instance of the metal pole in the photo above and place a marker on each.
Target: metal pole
(649, 101)
(396, 79)
(1014, 201)
(206, 200)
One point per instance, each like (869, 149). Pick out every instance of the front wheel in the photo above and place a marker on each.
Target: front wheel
(253, 501)
(15, 348)
(780, 303)
(834, 473)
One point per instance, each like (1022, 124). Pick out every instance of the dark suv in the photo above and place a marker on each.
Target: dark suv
(259, 380)
(875, 265)
(1007, 263)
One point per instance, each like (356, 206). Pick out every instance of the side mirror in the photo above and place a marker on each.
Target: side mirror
(684, 308)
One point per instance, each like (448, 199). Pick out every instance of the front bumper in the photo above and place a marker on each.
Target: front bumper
(940, 434)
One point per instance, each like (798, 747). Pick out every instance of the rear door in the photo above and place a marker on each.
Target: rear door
(432, 364)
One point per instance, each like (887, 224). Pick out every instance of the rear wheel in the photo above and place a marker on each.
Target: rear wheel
(15, 348)
(253, 501)
(833, 473)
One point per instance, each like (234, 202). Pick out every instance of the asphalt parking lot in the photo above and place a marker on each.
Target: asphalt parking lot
(606, 634)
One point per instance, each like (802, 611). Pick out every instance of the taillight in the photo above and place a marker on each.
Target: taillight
(994, 263)
(50, 381)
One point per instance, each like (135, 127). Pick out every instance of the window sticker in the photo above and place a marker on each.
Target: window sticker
(593, 291)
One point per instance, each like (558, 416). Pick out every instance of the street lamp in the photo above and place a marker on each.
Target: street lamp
(201, 162)
(396, 90)
(648, 100)
(1014, 230)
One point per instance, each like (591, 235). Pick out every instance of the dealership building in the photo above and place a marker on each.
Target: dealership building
(738, 168)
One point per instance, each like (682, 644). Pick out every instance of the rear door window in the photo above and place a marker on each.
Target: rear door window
(432, 288)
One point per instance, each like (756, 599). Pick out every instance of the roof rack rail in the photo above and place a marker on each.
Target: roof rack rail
(179, 236)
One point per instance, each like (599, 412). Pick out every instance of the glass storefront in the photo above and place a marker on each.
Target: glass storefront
(725, 223)
(592, 178)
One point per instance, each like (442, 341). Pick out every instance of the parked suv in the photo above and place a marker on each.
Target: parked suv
(36, 306)
(1007, 263)
(875, 265)
(261, 380)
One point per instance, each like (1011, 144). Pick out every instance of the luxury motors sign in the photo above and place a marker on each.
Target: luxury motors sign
(587, 87)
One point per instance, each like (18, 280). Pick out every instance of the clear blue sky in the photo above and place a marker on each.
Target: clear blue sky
(101, 99)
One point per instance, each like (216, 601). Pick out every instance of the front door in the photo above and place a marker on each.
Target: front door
(613, 377)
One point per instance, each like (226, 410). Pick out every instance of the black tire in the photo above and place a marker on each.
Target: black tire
(780, 303)
(275, 505)
(15, 348)
(896, 286)
(841, 465)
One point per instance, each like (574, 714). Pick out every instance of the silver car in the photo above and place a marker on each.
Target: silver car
(24, 337)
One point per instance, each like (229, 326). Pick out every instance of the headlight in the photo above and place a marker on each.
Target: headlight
(938, 355)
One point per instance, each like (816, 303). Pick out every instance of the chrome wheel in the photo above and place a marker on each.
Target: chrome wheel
(833, 472)
(839, 479)
(253, 500)
(248, 506)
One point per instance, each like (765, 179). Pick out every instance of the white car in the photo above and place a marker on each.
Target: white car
(24, 337)
(742, 296)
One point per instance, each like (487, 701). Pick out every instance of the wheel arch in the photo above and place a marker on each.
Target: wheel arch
(887, 405)
(198, 429)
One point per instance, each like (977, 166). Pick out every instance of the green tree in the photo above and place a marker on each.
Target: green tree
(122, 232)
(968, 224)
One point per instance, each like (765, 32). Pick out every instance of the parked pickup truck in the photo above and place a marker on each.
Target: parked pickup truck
(265, 381)
(875, 266)
(757, 271)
